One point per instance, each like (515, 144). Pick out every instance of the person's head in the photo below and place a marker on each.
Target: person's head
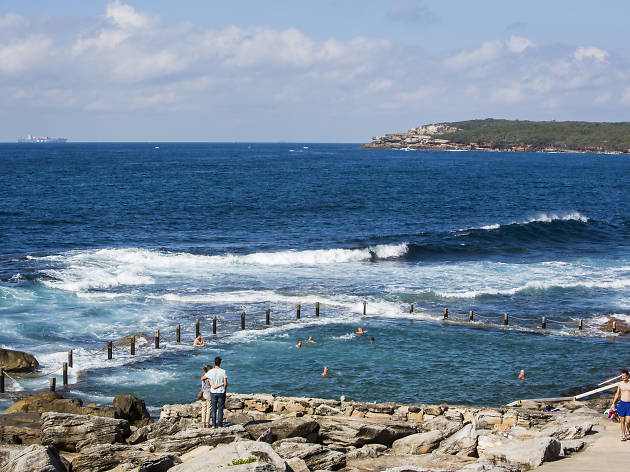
(206, 368)
(624, 374)
(325, 371)
(299, 342)
(372, 340)
(217, 361)
(310, 338)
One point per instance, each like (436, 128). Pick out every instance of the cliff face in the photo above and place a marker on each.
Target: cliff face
(511, 135)
(422, 137)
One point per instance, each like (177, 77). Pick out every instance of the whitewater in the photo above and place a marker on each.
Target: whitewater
(102, 241)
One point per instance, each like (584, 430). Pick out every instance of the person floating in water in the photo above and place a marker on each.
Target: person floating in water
(372, 340)
(311, 340)
(360, 330)
(299, 344)
(198, 341)
(325, 373)
(521, 375)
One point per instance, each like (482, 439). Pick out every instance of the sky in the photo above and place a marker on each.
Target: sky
(303, 70)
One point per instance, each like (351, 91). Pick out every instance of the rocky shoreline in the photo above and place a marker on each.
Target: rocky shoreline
(264, 432)
(432, 138)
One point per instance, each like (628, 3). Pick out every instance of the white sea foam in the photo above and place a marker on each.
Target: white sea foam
(108, 268)
(542, 217)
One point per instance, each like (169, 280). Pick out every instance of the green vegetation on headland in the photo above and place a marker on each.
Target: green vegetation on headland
(512, 135)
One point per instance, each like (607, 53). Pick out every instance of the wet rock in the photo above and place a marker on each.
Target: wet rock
(20, 428)
(52, 401)
(17, 361)
(419, 443)
(142, 340)
(68, 432)
(106, 457)
(132, 409)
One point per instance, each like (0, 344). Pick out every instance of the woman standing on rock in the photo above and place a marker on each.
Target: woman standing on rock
(206, 407)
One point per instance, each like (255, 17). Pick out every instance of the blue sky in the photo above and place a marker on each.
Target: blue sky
(156, 70)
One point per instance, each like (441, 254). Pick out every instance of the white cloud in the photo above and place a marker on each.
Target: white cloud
(518, 44)
(22, 54)
(127, 60)
(125, 17)
(488, 52)
(583, 53)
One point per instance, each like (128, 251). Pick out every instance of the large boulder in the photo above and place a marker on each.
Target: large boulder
(159, 429)
(442, 424)
(71, 433)
(516, 452)
(283, 428)
(316, 456)
(353, 431)
(462, 443)
(189, 439)
(569, 428)
(52, 401)
(419, 443)
(17, 361)
(132, 409)
(108, 456)
(35, 458)
(20, 428)
(223, 455)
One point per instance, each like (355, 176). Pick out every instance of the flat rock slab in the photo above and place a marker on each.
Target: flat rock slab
(20, 428)
(106, 457)
(34, 458)
(222, 456)
(189, 439)
(419, 443)
(425, 462)
(315, 456)
(67, 432)
(282, 428)
(352, 431)
(520, 453)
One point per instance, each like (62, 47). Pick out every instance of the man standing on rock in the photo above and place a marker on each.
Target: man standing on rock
(218, 383)
(623, 409)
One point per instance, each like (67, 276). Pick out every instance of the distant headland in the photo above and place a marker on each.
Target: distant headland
(511, 135)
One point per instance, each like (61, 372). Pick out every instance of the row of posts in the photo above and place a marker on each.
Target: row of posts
(132, 343)
(506, 319)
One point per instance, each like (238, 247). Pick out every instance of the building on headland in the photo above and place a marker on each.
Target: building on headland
(35, 139)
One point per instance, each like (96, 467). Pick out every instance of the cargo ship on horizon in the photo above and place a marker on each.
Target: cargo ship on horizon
(35, 139)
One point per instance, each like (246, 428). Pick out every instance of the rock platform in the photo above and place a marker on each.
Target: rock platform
(264, 432)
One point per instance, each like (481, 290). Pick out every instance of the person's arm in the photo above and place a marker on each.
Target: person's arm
(616, 395)
(225, 381)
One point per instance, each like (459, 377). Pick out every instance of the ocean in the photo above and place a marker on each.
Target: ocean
(99, 241)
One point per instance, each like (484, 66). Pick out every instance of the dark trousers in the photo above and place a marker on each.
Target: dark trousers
(218, 402)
